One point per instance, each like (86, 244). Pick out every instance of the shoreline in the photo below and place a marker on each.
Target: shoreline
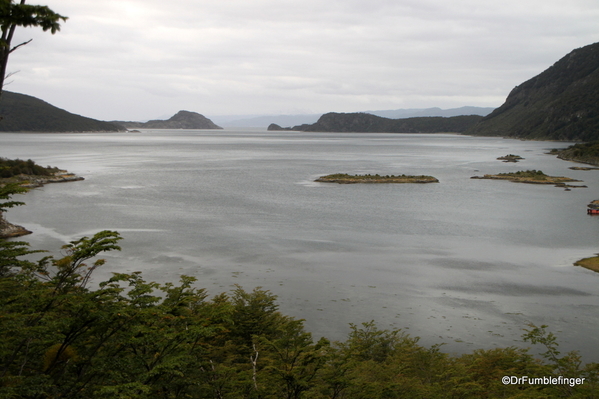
(591, 263)
(533, 177)
(9, 230)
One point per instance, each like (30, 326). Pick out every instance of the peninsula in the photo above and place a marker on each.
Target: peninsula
(344, 178)
(29, 174)
(587, 153)
(530, 177)
(26, 174)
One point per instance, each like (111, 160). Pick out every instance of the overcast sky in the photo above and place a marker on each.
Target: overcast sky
(144, 59)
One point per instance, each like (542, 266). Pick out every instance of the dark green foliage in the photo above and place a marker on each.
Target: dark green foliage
(26, 15)
(584, 152)
(15, 14)
(367, 123)
(562, 103)
(135, 339)
(532, 174)
(13, 167)
(6, 193)
(22, 113)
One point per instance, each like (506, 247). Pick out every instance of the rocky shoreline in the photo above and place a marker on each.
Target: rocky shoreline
(533, 177)
(61, 176)
(9, 230)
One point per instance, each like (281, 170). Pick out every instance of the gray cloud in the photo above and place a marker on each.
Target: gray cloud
(140, 59)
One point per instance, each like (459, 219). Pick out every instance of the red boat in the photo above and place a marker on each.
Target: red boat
(592, 211)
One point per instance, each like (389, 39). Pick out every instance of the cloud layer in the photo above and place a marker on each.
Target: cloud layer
(142, 59)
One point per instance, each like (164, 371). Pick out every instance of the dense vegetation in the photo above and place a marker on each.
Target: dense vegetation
(13, 167)
(22, 113)
(583, 152)
(527, 174)
(368, 123)
(531, 176)
(561, 103)
(130, 338)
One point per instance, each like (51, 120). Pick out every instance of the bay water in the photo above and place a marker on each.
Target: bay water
(463, 262)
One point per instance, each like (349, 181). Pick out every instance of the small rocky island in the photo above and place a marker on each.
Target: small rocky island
(531, 177)
(344, 178)
(510, 158)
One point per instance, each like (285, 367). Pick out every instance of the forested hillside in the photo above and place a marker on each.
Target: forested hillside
(366, 123)
(22, 113)
(562, 103)
(583, 152)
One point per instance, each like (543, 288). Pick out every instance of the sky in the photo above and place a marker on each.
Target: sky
(148, 59)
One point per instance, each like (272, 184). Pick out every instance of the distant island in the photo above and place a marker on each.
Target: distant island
(510, 158)
(343, 178)
(561, 103)
(361, 122)
(530, 177)
(23, 113)
(300, 119)
(181, 120)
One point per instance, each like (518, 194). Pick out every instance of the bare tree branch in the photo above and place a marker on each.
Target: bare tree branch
(19, 45)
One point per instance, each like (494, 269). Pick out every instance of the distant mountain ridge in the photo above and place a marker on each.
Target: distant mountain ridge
(561, 103)
(23, 113)
(181, 120)
(435, 111)
(302, 119)
(361, 122)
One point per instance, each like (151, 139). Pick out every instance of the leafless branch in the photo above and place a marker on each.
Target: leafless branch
(19, 45)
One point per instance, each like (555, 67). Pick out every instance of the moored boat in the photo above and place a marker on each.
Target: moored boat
(593, 208)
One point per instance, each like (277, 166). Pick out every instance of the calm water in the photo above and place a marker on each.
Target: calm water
(464, 262)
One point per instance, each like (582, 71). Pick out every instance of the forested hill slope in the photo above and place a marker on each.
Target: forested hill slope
(561, 103)
(367, 123)
(23, 113)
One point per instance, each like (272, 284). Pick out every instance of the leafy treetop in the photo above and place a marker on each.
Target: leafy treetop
(14, 14)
